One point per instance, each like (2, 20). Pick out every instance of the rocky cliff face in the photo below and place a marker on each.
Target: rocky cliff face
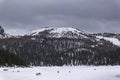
(2, 34)
(64, 46)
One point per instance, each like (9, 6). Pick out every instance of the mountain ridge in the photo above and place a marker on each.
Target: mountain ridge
(59, 32)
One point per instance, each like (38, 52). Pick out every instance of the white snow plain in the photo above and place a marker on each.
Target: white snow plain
(62, 73)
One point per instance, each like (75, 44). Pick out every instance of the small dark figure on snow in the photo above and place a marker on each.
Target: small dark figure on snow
(58, 72)
(37, 74)
(5, 69)
(69, 71)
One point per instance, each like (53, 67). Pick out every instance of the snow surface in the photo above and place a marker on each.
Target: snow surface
(59, 31)
(115, 41)
(62, 73)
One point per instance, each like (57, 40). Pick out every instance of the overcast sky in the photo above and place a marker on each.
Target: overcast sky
(22, 16)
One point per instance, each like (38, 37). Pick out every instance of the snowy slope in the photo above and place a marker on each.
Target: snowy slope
(62, 73)
(115, 41)
(60, 32)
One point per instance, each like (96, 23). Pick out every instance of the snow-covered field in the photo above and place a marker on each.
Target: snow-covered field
(62, 73)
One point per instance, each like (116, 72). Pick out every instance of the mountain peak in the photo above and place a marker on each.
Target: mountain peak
(58, 32)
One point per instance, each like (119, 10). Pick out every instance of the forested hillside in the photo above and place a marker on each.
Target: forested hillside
(10, 59)
(61, 46)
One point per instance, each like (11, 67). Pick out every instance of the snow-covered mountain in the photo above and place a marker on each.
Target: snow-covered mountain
(58, 32)
(64, 46)
(69, 32)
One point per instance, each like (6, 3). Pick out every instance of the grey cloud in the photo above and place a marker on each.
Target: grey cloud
(89, 15)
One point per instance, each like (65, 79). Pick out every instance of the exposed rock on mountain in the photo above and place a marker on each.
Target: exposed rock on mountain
(2, 34)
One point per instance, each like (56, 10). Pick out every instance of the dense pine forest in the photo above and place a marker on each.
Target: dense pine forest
(10, 59)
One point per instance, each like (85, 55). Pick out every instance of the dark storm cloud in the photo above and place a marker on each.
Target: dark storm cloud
(90, 15)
